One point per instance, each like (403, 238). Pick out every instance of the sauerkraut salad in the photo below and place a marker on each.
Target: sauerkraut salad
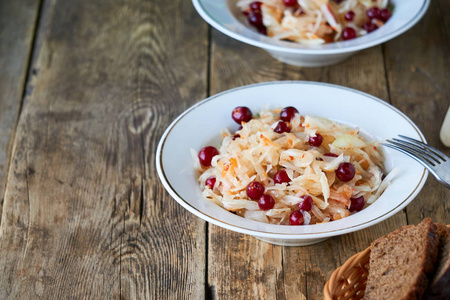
(316, 22)
(284, 168)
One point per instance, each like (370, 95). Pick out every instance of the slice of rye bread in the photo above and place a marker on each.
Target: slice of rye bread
(439, 287)
(401, 261)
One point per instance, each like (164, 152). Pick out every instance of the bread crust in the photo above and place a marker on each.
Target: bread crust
(439, 287)
(383, 250)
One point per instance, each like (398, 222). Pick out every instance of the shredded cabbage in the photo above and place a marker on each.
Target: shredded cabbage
(256, 152)
(314, 22)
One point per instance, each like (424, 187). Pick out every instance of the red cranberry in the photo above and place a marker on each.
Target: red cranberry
(262, 30)
(296, 218)
(211, 181)
(288, 113)
(338, 1)
(369, 27)
(357, 204)
(255, 190)
(255, 6)
(345, 172)
(315, 141)
(290, 2)
(235, 136)
(330, 154)
(307, 203)
(241, 114)
(255, 19)
(282, 127)
(266, 202)
(206, 154)
(349, 16)
(281, 176)
(385, 15)
(348, 34)
(373, 13)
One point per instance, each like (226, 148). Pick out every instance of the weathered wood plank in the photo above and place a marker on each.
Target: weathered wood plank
(84, 214)
(171, 76)
(253, 269)
(17, 28)
(418, 68)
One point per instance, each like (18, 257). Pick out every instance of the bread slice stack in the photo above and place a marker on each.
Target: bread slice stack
(439, 287)
(412, 262)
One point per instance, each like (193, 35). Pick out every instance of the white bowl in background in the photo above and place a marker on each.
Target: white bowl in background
(201, 125)
(226, 17)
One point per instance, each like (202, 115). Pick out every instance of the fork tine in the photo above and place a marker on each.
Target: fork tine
(436, 151)
(420, 153)
(418, 159)
(425, 152)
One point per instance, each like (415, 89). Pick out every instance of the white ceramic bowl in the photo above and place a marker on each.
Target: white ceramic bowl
(201, 125)
(225, 17)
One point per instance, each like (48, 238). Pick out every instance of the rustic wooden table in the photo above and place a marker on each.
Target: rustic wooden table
(86, 90)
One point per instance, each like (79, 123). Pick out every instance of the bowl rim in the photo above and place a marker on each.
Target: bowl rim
(288, 236)
(198, 4)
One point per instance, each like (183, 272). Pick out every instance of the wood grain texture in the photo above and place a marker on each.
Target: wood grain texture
(17, 27)
(84, 213)
(418, 68)
(259, 270)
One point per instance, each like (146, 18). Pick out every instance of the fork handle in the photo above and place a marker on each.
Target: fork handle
(445, 130)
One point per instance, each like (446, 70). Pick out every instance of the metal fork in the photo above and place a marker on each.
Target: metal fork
(434, 160)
